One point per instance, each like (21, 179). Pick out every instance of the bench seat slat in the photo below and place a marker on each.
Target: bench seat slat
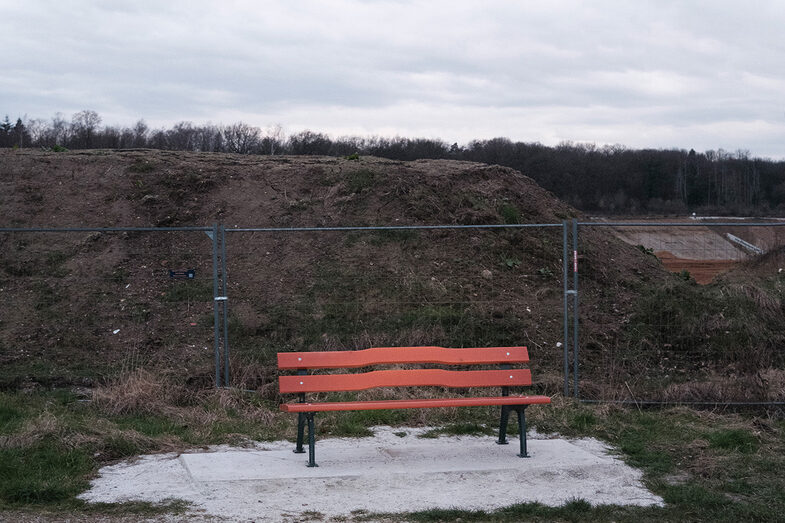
(394, 355)
(416, 404)
(405, 378)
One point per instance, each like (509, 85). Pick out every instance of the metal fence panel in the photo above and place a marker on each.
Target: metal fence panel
(356, 287)
(687, 312)
(683, 312)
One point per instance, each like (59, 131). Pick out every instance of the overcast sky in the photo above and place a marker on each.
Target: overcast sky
(700, 74)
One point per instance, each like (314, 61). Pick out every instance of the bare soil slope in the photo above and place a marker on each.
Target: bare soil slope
(82, 307)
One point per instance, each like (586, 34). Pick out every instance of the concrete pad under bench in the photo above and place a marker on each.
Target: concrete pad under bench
(385, 473)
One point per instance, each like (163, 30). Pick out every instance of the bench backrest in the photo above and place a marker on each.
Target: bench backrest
(403, 378)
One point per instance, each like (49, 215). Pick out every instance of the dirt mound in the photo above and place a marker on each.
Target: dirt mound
(161, 188)
(81, 307)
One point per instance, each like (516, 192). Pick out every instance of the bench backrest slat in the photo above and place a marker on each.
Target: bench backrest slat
(401, 355)
(405, 378)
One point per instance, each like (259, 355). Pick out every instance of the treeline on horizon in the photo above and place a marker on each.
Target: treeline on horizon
(607, 179)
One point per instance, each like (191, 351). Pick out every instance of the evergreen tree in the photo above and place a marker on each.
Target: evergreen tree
(5, 132)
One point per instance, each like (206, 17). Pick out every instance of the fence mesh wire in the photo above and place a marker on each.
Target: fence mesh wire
(683, 314)
(667, 313)
(359, 289)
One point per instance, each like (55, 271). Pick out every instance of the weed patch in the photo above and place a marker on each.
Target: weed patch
(141, 167)
(737, 440)
(42, 474)
(691, 326)
(189, 290)
(359, 180)
(510, 213)
(10, 418)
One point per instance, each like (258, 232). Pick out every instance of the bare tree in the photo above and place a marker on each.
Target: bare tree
(182, 137)
(140, 134)
(37, 129)
(274, 136)
(59, 132)
(83, 125)
(241, 138)
(309, 142)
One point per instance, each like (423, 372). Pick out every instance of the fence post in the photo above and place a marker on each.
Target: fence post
(216, 319)
(575, 307)
(225, 300)
(566, 343)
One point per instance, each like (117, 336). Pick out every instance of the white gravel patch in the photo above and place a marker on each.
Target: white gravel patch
(384, 473)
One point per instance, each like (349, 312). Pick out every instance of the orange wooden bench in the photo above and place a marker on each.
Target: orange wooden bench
(505, 377)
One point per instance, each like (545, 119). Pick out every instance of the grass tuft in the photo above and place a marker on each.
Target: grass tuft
(737, 440)
(359, 180)
(141, 392)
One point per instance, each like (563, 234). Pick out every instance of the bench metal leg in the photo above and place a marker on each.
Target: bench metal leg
(503, 425)
(311, 441)
(300, 432)
(522, 430)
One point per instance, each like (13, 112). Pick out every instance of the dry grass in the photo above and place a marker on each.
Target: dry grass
(106, 440)
(767, 264)
(765, 385)
(766, 301)
(33, 431)
(141, 392)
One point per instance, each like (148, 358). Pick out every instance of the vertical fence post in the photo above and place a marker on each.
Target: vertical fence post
(225, 300)
(565, 341)
(216, 319)
(575, 307)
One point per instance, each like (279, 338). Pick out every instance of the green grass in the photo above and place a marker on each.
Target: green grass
(43, 473)
(46, 296)
(10, 418)
(119, 275)
(189, 290)
(141, 166)
(139, 312)
(48, 266)
(691, 325)
(48, 447)
(706, 466)
(510, 213)
(52, 373)
(51, 444)
(359, 180)
(735, 440)
(576, 510)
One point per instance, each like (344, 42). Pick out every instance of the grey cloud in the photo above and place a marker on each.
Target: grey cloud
(602, 71)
